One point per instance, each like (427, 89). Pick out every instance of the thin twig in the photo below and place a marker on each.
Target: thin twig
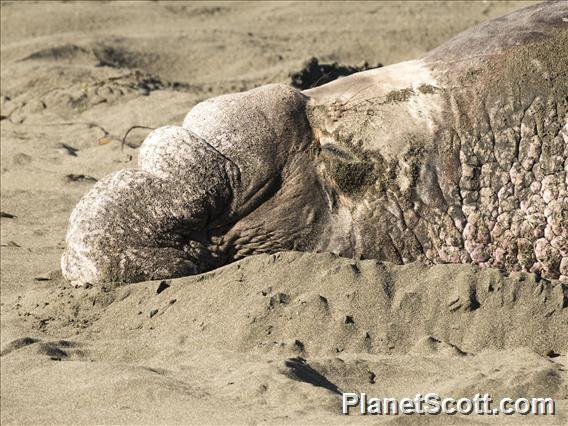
(128, 131)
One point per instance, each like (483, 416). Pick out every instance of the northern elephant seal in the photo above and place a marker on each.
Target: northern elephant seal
(460, 156)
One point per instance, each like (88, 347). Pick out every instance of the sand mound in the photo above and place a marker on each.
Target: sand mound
(355, 306)
(256, 332)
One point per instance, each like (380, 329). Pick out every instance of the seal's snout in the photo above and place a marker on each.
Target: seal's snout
(151, 222)
(259, 131)
(166, 218)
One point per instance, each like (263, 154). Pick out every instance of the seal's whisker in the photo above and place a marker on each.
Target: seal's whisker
(315, 83)
(347, 90)
(361, 102)
(358, 93)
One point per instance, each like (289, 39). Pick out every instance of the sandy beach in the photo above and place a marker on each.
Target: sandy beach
(271, 339)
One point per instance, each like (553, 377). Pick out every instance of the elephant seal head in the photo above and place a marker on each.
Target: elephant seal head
(236, 179)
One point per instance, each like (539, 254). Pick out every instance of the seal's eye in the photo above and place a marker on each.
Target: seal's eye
(349, 173)
(334, 151)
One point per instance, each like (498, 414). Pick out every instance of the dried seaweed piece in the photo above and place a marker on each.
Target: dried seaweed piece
(80, 178)
(70, 150)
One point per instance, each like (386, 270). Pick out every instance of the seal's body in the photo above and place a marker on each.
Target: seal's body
(468, 147)
(460, 156)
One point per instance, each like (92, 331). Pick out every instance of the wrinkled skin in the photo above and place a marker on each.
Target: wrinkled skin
(460, 156)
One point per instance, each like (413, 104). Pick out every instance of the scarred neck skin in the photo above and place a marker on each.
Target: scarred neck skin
(458, 160)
